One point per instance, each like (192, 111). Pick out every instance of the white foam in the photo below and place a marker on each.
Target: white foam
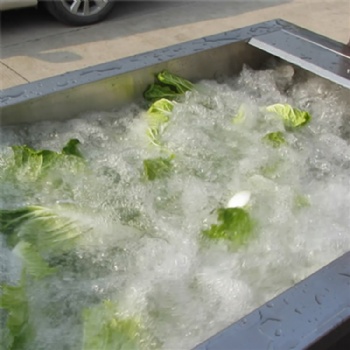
(145, 248)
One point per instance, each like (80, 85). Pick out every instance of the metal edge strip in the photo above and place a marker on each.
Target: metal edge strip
(310, 55)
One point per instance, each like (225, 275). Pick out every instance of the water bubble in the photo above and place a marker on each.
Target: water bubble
(145, 248)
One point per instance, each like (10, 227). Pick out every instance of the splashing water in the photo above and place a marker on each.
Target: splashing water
(145, 249)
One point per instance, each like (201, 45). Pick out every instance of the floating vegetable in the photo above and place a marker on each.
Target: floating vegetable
(276, 139)
(236, 226)
(292, 117)
(169, 86)
(157, 168)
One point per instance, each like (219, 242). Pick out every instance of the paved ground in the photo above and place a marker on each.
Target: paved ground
(35, 46)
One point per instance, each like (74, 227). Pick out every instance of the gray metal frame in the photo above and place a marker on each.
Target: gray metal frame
(315, 313)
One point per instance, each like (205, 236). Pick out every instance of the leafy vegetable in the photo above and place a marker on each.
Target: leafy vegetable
(235, 225)
(157, 168)
(28, 161)
(31, 164)
(158, 115)
(276, 139)
(240, 116)
(181, 85)
(156, 91)
(301, 201)
(159, 112)
(11, 219)
(292, 117)
(33, 262)
(13, 299)
(271, 170)
(37, 234)
(71, 148)
(168, 86)
(103, 330)
(46, 229)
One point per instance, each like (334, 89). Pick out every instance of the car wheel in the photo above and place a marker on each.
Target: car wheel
(79, 12)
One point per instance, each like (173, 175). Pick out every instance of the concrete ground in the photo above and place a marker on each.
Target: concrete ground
(35, 46)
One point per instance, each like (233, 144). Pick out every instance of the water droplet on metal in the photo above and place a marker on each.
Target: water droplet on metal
(244, 321)
(62, 83)
(298, 311)
(318, 300)
(260, 315)
(278, 332)
(15, 95)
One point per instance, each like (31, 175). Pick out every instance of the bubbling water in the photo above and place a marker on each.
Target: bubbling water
(145, 248)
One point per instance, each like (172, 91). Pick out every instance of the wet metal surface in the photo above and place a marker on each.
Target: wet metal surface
(296, 319)
(309, 55)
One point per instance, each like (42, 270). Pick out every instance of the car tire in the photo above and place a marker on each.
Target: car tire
(79, 12)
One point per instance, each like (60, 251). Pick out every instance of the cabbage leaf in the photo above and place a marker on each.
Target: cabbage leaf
(33, 262)
(292, 117)
(235, 225)
(168, 86)
(301, 201)
(239, 118)
(181, 85)
(156, 91)
(50, 230)
(276, 139)
(157, 168)
(104, 330)
(13, 299)
(157, 116)
(31, 165)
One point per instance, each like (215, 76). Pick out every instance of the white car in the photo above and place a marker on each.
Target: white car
(74, 12)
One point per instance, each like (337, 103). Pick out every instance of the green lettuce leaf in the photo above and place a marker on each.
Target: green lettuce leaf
(276, 139)
(235, 225)
(157, 117)
(27, 162)
(240, 116)
(33, 262)
(292, 117)
(181, 85)
(156, 92)
(104, 330)
(157, 168)
(272, 169)
(50, 231)
(71, 148)
(169, 86)
(159, 113)
(31, 164)
(13, 299)
(301, 201)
